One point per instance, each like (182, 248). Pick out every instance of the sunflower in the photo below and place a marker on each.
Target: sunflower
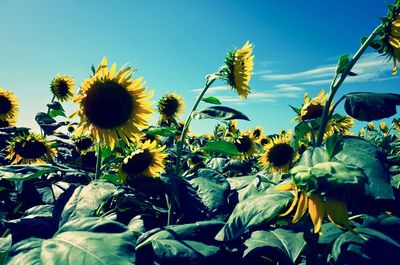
(264, 140)
(383, 127)
(258, 133)
(339, 124)
(62, 87)
(83, 142)
(371, 126)
(8, 107)
(30, 149)
(238, 69)
(278, 153)
(318, 207)
(196, 159)
(146, 160)
(312, 108)
(245, 144)
(170, 106)
(232, 128)
(112, 105)
(7, 122)
(361, 133)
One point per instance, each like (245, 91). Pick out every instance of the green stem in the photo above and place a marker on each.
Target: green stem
(210, 80)
(98, 161)
(336, 83)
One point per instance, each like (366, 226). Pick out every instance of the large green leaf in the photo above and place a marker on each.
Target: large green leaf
(75, 247)
(253, 212)
(221, 113)
(358, 152)
(313, 156)
(25, 172)
(222, 147)
(212, 188)
(87, 200)
(365, 246)
(280, 245)
(371, 106)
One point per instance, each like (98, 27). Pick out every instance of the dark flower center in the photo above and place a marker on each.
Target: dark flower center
(243, 144)
(257, 133)
(62, 88)
(313, 112)
(264, 141)
(84, 143)
(4, 123)
(5, 105)
(169, 106)
(138, 163)
(280, 154)
(30, 149)
(108, 105)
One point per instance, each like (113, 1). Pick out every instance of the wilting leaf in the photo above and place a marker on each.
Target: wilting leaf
(254, 211)
(221, 113)
(212, 100)
(364, 246)
(282, 246)
(371, 106)
(362, 154)
(222, 147)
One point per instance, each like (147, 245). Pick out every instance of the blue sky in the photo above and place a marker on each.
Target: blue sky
(174, 44)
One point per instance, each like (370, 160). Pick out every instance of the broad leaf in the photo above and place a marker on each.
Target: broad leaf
(223, 147)
(221, 113)
(25, 172)
(282, 246)
(55, 105)
(254, 212)
(371, 106)
(313, 156)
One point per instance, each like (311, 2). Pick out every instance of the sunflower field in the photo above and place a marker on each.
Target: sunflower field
(103, 185)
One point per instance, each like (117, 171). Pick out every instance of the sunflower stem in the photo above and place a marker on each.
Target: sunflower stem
(336, 83)
(98, 161)
(311, 239)
(209, 81)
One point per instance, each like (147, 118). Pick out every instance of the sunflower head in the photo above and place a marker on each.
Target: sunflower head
(83, 142)
(6, 123)
(70, 128)
(8, 106)
(264, 140)
(146, 160)
(238, 69)
(389, 42)
(62, 87)
(29, 149)
(245, 144)
(339, 124)
(383, 127)
(278, 154)
(312, 108)
(257, 133)
(371, 126)
(112, 106)
(170, 106)
(196, 159)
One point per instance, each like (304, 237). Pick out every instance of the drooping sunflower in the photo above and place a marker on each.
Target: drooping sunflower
(312, 108)
(170, 106)
(30, 149)
(112, 105)
(238, 69)
(245, 144)
(339, 124)
(146, 160)
(8, 107)
(62, 87)
(278, 154)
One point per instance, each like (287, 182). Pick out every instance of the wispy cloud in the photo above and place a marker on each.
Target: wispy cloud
(288, 88)
(255, 96)
(211, 90)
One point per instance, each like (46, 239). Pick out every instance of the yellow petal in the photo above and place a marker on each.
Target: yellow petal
(284, 187)
(337, 212)
(294, 202)
(316, 209)
(301, 207)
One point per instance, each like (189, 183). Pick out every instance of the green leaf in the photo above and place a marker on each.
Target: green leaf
(253, 212)
(360, 153)
(297, 110)
(212, 188)
(221, 113)
(75, 247)
(342, 63)
(25, 172)
(333, 145)
(364, 246)
(5, 246)
(280, 245)
(313, 156)
(55, 105)
(371, 106)
(212, 100)
(162, 131)
(55, 113)
(222, 147)
(113, 178)
(93, 224)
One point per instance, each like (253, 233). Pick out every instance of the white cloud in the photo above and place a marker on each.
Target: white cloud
(288, 88)
(211, 90)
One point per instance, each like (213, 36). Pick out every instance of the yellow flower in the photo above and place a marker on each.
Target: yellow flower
(196, 159)
(370, 126)
(238, 69)
(7, 123)
(83, 142)
(339, 124)
(278, 153)
(62, 87)
(312, 108)
(384, 128)
(170, 106)
(264, 140)
(8, 107)
(232, 128)
(29, 149)
(147, 160)
(318, 208)
(394, 42)
(112, 105)
(258, 133)
(362, 133)
(245, 144)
